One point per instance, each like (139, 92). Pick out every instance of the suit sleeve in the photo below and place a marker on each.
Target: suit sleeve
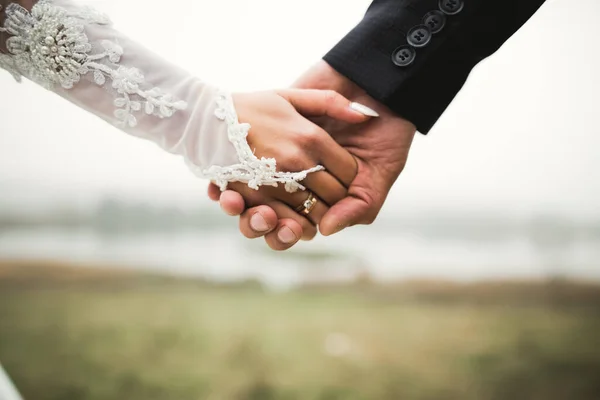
(415, 55)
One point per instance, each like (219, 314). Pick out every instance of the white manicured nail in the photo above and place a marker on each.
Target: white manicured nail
(369, 112)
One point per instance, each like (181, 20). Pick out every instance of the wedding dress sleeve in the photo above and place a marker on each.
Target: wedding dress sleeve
(75, 52)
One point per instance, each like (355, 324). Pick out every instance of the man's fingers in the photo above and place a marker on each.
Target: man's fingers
(258, 221)
(263, 220)
(286, 235)
(317, 103)
(265, 212)
(214, 193)
(232, 202)
(348, 212)
(307, 231)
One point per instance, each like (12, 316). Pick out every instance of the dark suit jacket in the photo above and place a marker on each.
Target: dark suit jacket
(415, 55)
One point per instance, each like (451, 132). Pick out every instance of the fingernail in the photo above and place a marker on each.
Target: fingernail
(258, 223)
(369, 112)
(286, 235)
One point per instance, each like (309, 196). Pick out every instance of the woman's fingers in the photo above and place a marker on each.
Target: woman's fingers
(214, 193)
(307, 230)
(277, 215)
(326, 186)
(295, 201)
(323, 184)
(311, 146)
(318, 103)
(271, 208)
(286, 235)
(315, 103)
(337, 160)
(258, 221)
(232, 203)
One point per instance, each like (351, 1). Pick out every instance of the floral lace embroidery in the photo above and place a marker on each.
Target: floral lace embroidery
(50, 47)
(251, 170)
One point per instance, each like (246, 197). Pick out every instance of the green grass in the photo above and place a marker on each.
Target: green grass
(84, 334)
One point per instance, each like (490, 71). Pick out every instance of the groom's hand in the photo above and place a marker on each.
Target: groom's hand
(380, 145)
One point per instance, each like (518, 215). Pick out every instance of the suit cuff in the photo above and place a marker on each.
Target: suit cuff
(421, 90)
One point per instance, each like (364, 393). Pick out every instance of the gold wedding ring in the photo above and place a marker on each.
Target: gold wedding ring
(308, 205)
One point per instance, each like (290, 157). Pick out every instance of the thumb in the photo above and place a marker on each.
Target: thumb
(347, 212)
(318, 103)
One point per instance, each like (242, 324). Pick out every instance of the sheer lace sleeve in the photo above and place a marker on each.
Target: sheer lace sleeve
(75, 51)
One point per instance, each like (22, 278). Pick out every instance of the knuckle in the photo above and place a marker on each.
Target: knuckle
(372, 204)
(310, 137)
(294, 160)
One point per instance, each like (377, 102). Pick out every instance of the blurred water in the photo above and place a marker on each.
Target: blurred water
(223, 255)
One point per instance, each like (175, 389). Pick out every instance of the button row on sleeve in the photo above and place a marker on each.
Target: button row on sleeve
(451, 7)
(419, 36)
(435, 21)
(404, 56)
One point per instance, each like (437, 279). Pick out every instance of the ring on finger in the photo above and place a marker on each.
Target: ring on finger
(308, 205)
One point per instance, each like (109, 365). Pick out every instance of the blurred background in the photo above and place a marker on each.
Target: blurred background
(119, 279)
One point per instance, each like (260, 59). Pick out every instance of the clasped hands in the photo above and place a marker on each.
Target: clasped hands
(317, 123)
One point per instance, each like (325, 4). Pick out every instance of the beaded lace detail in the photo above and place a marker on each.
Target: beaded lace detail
(49, 46)
(61, 47)
(251, 170)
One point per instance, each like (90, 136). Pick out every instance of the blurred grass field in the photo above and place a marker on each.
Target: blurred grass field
(93, 334)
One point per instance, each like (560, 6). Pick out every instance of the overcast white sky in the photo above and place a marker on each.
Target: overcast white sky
(522, 135)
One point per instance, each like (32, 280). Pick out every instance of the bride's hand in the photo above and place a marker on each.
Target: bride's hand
(281, 131)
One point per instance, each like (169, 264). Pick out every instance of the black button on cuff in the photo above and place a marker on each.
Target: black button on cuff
(435, 21)
(403, 56)
(419, 36)
(451, 7)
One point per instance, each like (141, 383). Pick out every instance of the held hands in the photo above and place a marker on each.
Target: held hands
(279, 131)
(380, 147)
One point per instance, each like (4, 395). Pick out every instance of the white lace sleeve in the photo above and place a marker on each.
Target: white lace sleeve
(75, 52)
